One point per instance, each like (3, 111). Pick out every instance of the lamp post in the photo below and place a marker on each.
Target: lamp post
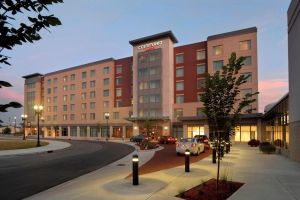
(15, 127)
(106, 115)
(24, 117)
(38, 111)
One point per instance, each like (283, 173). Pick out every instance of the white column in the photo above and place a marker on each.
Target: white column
(88, 134)
(185, 131)
(110, 131)
(124, 132)
(69, 132)
(59, 131)
(78, 131)
(135, 129)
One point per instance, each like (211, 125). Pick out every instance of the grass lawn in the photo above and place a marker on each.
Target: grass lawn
(19, 144)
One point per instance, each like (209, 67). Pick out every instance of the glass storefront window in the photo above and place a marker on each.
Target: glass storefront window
(195, 130)
(245, 133)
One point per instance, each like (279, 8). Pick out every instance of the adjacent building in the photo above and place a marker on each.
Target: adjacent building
(160, 83)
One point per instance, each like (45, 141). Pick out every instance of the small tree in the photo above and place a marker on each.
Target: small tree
(148, 126)
(222, 102)
(6, 130)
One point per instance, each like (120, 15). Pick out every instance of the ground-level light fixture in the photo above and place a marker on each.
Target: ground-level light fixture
(166, 128)
(187, 160)
(135, 169)
(38, 109)
(135, 127)
(24, 117)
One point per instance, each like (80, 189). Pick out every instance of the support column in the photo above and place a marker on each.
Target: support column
(69, 132)
(88, 130)
(124, 132)
(78, 131)
(110, 131)
(185, 131)
(59, 131)
(136, 130)
(52, 132)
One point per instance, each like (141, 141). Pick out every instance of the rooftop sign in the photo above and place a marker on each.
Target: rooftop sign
(149, 45)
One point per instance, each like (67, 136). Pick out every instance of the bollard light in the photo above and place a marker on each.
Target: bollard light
(222, 150)
(214, 155)
(227, 147)
(187, 160)
(135, 169)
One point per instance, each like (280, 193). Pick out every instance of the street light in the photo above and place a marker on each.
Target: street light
(15, 125)
(38, 111)
(106, 115)
(24, 117)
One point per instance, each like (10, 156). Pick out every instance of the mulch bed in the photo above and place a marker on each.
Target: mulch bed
(207, 190)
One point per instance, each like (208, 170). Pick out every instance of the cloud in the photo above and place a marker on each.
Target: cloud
(9, 94)
(271, 91)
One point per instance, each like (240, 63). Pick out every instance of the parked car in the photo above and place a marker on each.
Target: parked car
(203, 139)
(138, 138)
(167, 140)
(192, 144)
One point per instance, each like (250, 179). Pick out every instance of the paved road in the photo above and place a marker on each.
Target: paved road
(23, 176)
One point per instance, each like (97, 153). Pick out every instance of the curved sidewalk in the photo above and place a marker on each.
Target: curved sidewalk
(52, 146)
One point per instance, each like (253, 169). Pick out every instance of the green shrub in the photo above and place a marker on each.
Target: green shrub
(6, 130)
(267, 148)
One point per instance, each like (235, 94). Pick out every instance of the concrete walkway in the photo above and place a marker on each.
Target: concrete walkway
(52, 146)
(265, 177)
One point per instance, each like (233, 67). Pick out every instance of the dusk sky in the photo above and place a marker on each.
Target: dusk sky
(94, 30)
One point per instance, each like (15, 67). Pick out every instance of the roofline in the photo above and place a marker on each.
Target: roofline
(168, 34)
(80, 66)
(232, 33)
(32, 75)
(278, 102)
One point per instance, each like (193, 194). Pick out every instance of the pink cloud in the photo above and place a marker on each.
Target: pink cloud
(271, 91)
(9, 94)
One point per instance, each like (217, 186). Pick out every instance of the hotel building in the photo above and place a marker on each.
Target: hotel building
(161, 83)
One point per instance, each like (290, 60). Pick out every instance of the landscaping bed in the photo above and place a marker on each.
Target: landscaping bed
(19, 144)
(207, 190)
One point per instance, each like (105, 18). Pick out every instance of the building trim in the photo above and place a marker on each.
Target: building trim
(233, 33)
(32, 75)
(168, 34)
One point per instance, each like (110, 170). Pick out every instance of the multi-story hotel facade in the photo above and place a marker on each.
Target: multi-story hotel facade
(160, 84)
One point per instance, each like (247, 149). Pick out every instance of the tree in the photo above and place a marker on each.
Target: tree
(222, 102)
(148, 126)
(14, 33)
(6, 130)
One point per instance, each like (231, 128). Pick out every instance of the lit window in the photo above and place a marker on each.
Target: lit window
(179, 86)
(247, 61)
(179, 98)
(201, 55)
(48, 99)
(83, 95)
(201, 69)
(143, 85)
(65, 117)
(218, 64)
(179, 72)
(179, 58)
(83, 116)
(118, 69)
(245, 45)
(65, 78)
(65, 98)
(118, 92)
(65, 87)
(218, 50)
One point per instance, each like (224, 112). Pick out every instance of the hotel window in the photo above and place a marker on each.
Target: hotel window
(154, 57)
(92, 94)
(92, 116)
(72, 117)
(72, 87)
(65, 107)
(143, 85)
(92, 84)
(72, 107)
(54, 118)
(200, 83)
(179, 98)
(55, 90)
(92, 105)
(65, 98)
(54, 108)
(218, 64)
(154, 71)
(154, 84)
(200, 112)
(105, 93)
(65, 117)
(83, 116)
(201, 55)
(154, 98)
(245, 45)
(178, 112)
(83, 106)
(49, 81)
(179, 58)
(179, 86)
(118, 81)
(201, 69)
(83, 129)
(92, 73)
(247, 61)
(83, 95)
(83, 85)
(49, 90)
(118, 92)
(142, 59)
(48, 99)
(218, 50)
(143, 72)
(55, 80)
(72, 77)
(105, 104)
(72, 97)
(31, 85)
(106, 81)
(83, 75)
(249, 75)
(55, 99)
(116, 115)
(49, 108)
(119, 69)
(65, 87)
(65, 78)
(179, 72)
(106, 70)
(118, 103)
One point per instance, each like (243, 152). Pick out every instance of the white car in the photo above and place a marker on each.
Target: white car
(191, 144)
